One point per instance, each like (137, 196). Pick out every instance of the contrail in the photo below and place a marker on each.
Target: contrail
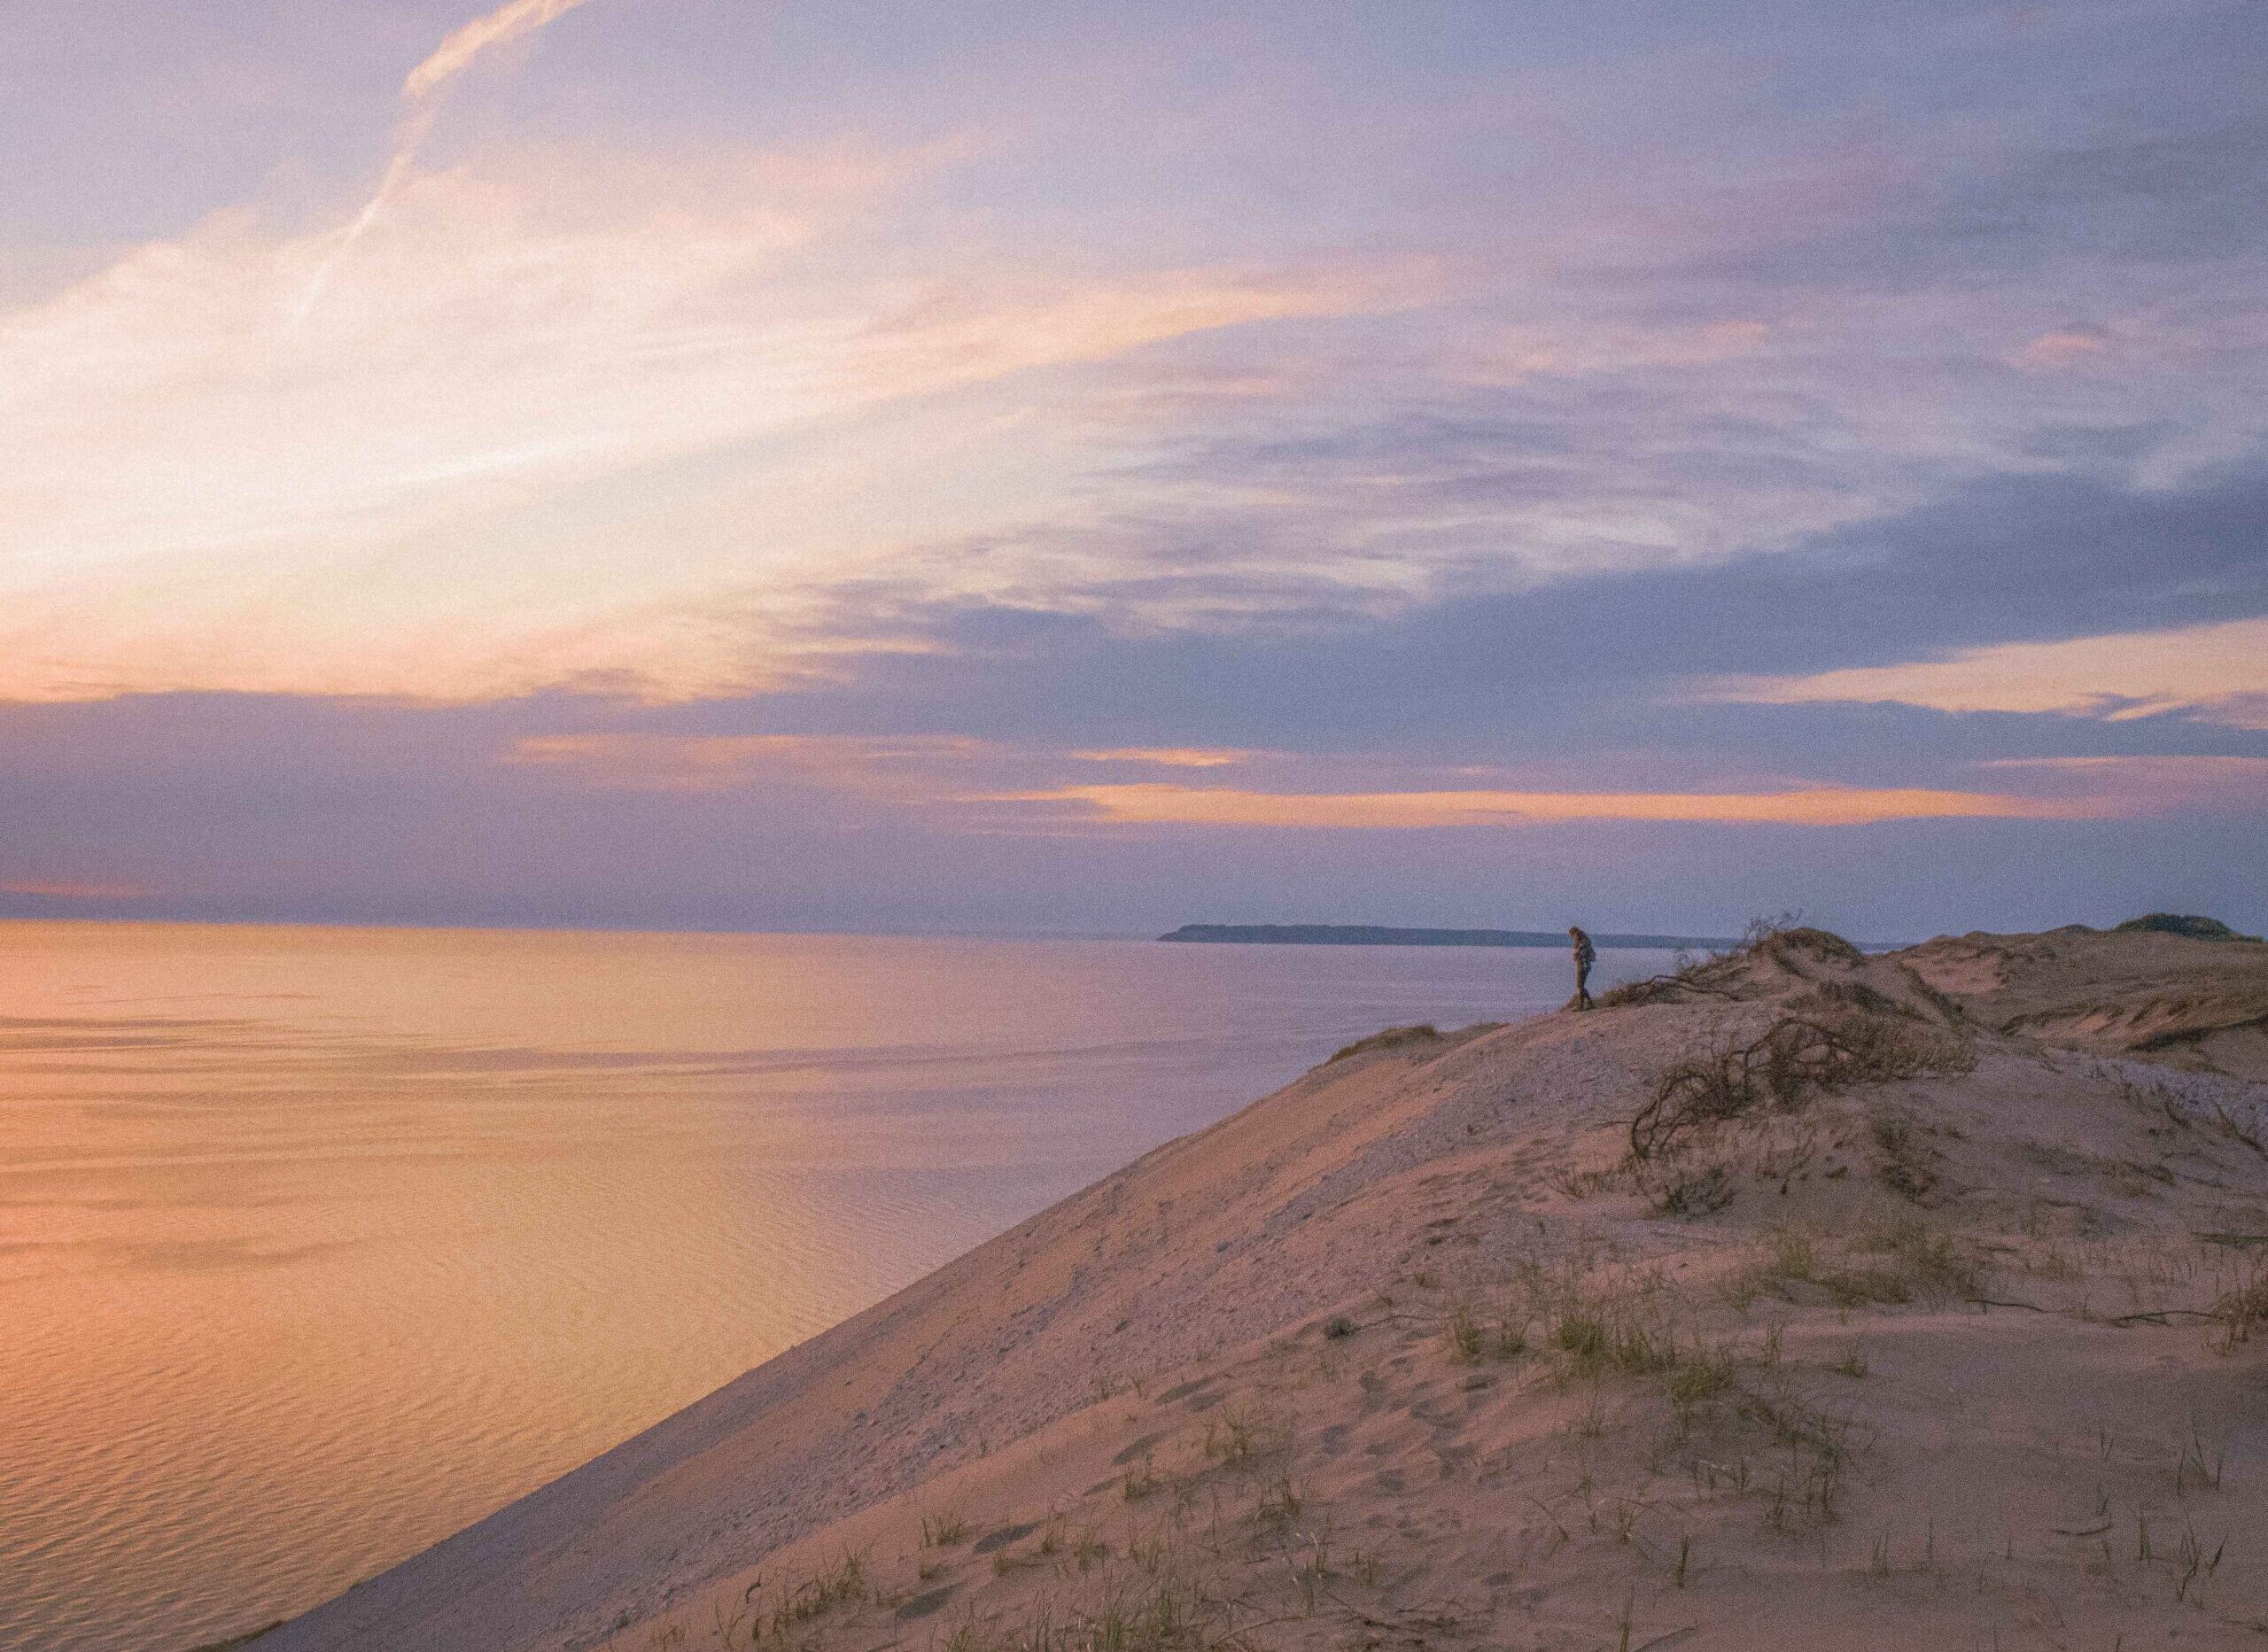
(451, 57)
(421, 95)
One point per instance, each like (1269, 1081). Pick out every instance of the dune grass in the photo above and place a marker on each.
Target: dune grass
(1392, 1038)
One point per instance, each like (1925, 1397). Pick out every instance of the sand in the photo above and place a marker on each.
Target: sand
(1947, 1339)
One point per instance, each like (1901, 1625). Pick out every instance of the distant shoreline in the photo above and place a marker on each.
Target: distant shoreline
(1378, 935)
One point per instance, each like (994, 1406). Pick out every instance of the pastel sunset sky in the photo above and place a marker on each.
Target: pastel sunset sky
(1082, 467)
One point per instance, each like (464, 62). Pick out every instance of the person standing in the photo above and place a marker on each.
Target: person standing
(1586, 955)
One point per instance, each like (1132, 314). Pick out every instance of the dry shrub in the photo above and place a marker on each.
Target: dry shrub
(1832, 996)
(1797, 1057)
(1687, 976)
(1730, 1080)
(1781, 939)
(1880, 1048)
(1784, 940)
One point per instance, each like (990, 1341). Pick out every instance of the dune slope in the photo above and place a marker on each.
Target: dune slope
(1916, 1311)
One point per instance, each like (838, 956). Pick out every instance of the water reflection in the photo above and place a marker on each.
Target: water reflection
(316, 1245)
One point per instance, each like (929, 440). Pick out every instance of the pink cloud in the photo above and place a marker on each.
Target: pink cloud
(2060, 349)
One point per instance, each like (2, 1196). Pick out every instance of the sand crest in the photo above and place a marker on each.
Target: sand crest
(1926, 1306)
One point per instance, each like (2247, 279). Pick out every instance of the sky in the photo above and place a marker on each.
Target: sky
(1078, 468)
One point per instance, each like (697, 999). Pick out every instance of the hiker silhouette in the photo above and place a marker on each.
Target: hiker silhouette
(1586, 955)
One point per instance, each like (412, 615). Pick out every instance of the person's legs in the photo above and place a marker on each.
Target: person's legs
(1582, 986)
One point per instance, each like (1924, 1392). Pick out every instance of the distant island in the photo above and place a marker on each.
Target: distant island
(1380, 934)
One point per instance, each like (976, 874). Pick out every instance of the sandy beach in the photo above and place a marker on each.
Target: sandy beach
(1925, 1305)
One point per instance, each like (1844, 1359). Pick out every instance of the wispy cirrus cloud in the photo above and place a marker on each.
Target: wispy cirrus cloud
(2215, 673)
(420, 99)
(737, 426)
(531, 365)
(643, 406)
(457, 50)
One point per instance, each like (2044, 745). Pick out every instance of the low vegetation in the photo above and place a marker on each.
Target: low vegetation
(844, 1583)
(2242, 1313)
(1392, 1038)
(1796, 1056)
(1782, 937)
(2189, 924)
(943, 1530)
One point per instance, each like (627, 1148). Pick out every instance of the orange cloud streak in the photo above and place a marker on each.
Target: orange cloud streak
(937, 773)
(1161, 804)
(2217, 673)
(1167, 756)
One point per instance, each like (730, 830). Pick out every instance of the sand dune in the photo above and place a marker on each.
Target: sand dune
(1919, 1311)
(2195, 1003)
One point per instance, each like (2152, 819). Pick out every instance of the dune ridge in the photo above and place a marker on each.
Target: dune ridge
(1802, 1299)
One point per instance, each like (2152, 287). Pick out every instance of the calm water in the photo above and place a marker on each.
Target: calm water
(316, 1245)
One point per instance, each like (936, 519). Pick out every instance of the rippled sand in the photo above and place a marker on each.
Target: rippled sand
(316, 1245)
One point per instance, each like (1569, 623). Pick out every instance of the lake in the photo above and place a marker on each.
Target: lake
(318, 1244)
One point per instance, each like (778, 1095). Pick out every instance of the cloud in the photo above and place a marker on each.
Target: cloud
(552, 404)
(661, 409)
(966, 784)
(231, 806)
(2213, 672)
(2061, 348)
(457, 50)
(1605, 664)
(985, 784)
(420, 93)
(1802, 806)
(771, 473)
(1166, 757)
(989, 784)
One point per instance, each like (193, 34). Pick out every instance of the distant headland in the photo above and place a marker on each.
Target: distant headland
(1380, 934)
